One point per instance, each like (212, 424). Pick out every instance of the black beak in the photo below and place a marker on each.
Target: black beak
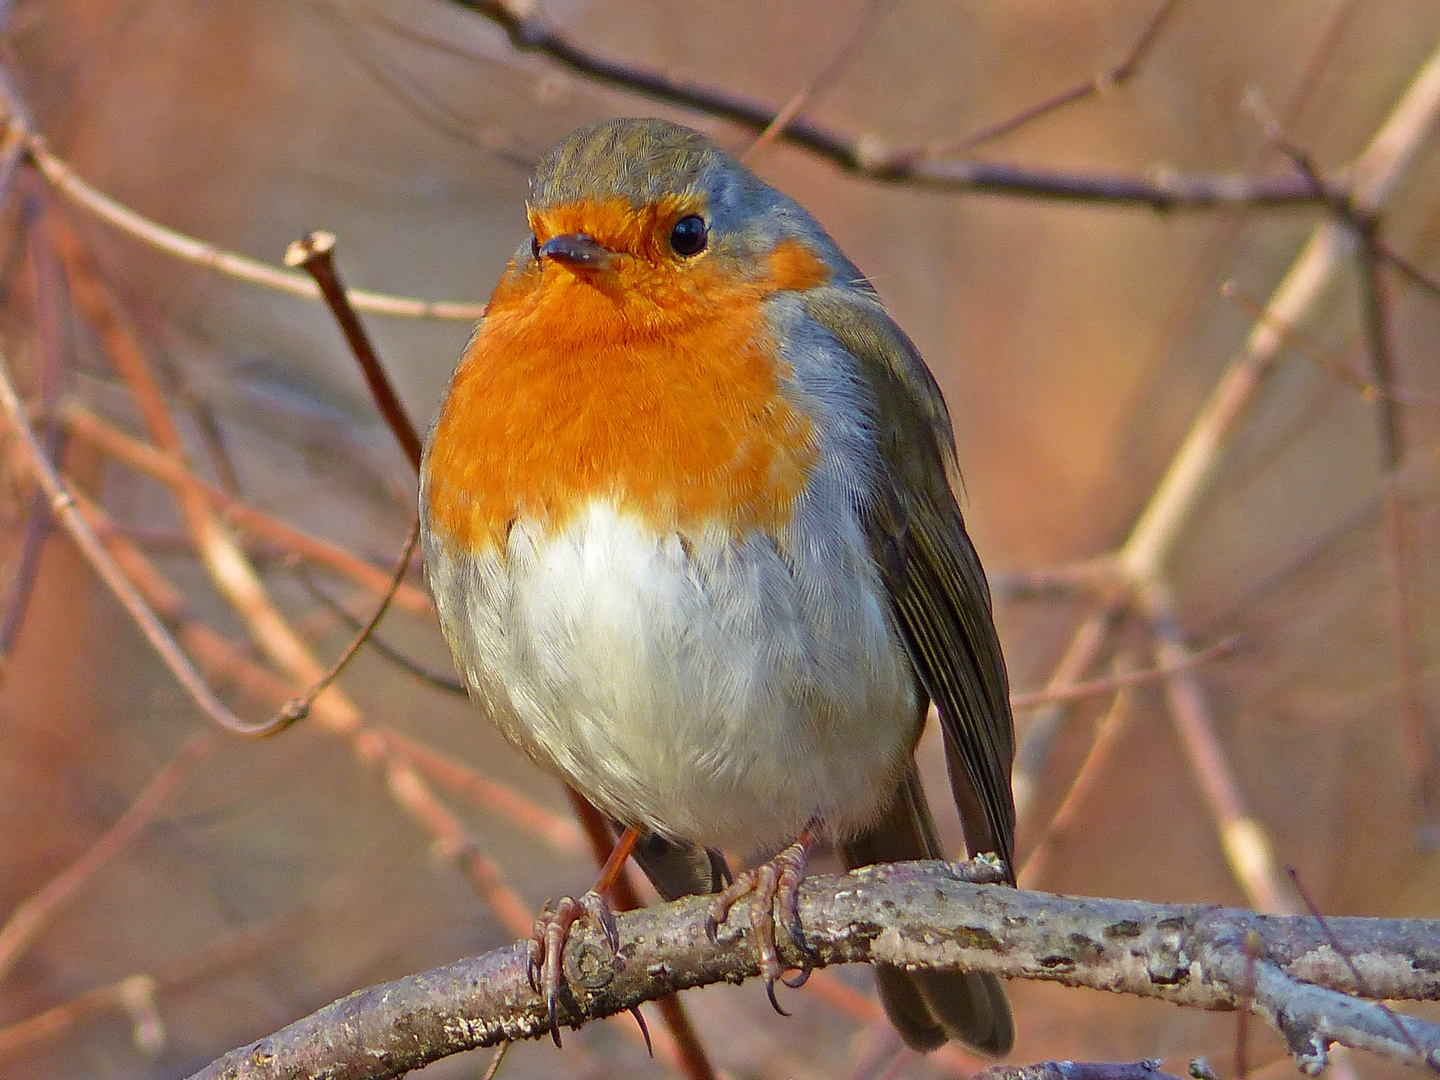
(577, 251)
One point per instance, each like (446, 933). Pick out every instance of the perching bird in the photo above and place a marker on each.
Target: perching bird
(689, 527)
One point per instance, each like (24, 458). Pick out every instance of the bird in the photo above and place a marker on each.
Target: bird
(689, 521)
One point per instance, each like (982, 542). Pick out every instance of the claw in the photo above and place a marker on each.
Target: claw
(770, 993)
(554, 1020)
(644, 1029)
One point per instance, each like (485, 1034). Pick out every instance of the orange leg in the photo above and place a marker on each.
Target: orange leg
(552, 927)
(774, 891)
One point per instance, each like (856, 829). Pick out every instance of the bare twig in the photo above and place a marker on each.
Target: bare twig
(1107, 80)
(1243, 837)
(1407, 269)
(1339, 947)
(819, 84)
(432, 109)
(27, 920)
(1422, 744)
(133, 995)
(508, 805)
(1062, 822)
(230, 571)
(450, 684)
(315, 254)
(112, 212)
(217, 959)
(298, 708)
(496, 1061)
(917, 914)
(1099, 687)
(1030, 756)
(1252, 945)
(86, 425)
(226, 662)
(49, 316)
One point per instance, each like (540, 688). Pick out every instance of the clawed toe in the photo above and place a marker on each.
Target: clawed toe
(774, 891)
(546, 950)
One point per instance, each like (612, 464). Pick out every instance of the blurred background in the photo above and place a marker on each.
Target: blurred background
(1076, 344)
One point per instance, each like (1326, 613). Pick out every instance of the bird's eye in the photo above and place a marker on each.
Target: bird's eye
(689, 235)
(535, 248)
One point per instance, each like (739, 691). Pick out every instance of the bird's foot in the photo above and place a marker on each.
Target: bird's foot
(546, 951)
(774, 891)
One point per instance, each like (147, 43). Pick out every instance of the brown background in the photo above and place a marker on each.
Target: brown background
(1074, 344)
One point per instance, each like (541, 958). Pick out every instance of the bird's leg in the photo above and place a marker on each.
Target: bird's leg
(546, 950)
(774, 891)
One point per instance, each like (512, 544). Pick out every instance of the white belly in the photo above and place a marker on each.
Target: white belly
(724, 696)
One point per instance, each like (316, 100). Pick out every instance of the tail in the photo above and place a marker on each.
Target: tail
(929, 1008)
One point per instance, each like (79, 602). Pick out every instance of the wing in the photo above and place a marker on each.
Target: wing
(940, 598)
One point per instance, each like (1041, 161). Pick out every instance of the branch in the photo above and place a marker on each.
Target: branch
(868, 156)
(910, 914)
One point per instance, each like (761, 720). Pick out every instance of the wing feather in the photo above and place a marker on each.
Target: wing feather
(940, 599)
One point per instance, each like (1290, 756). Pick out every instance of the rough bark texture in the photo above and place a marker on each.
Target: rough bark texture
(918, 914)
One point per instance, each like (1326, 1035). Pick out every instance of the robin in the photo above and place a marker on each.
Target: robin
(688, 522)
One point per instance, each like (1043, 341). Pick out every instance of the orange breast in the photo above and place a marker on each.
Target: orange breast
(656, 385)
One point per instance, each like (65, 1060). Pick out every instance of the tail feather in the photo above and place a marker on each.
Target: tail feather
(928, 1008)
(678, 869)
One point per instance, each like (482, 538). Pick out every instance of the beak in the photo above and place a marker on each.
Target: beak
(577, 251)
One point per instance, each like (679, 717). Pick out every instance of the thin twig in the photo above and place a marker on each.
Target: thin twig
(31, 916)
(111, 211)
(505, 803)
(817, 86)
(180, 975)
(86, 425)
(1062, 822)
(228, 568)
(1415, 275)
(315, 254)
(1099, 687)
(49, 316)
(1030, 756)
(448, 684)
(1115, 77)
(1244, 839)
(298, 708)
(427, 107)
(1422, 745)
(1344, 954)
(1252, 946)
(497, 1061)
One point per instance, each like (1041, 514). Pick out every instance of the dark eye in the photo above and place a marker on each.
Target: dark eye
(535, 248)
(689, 235)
